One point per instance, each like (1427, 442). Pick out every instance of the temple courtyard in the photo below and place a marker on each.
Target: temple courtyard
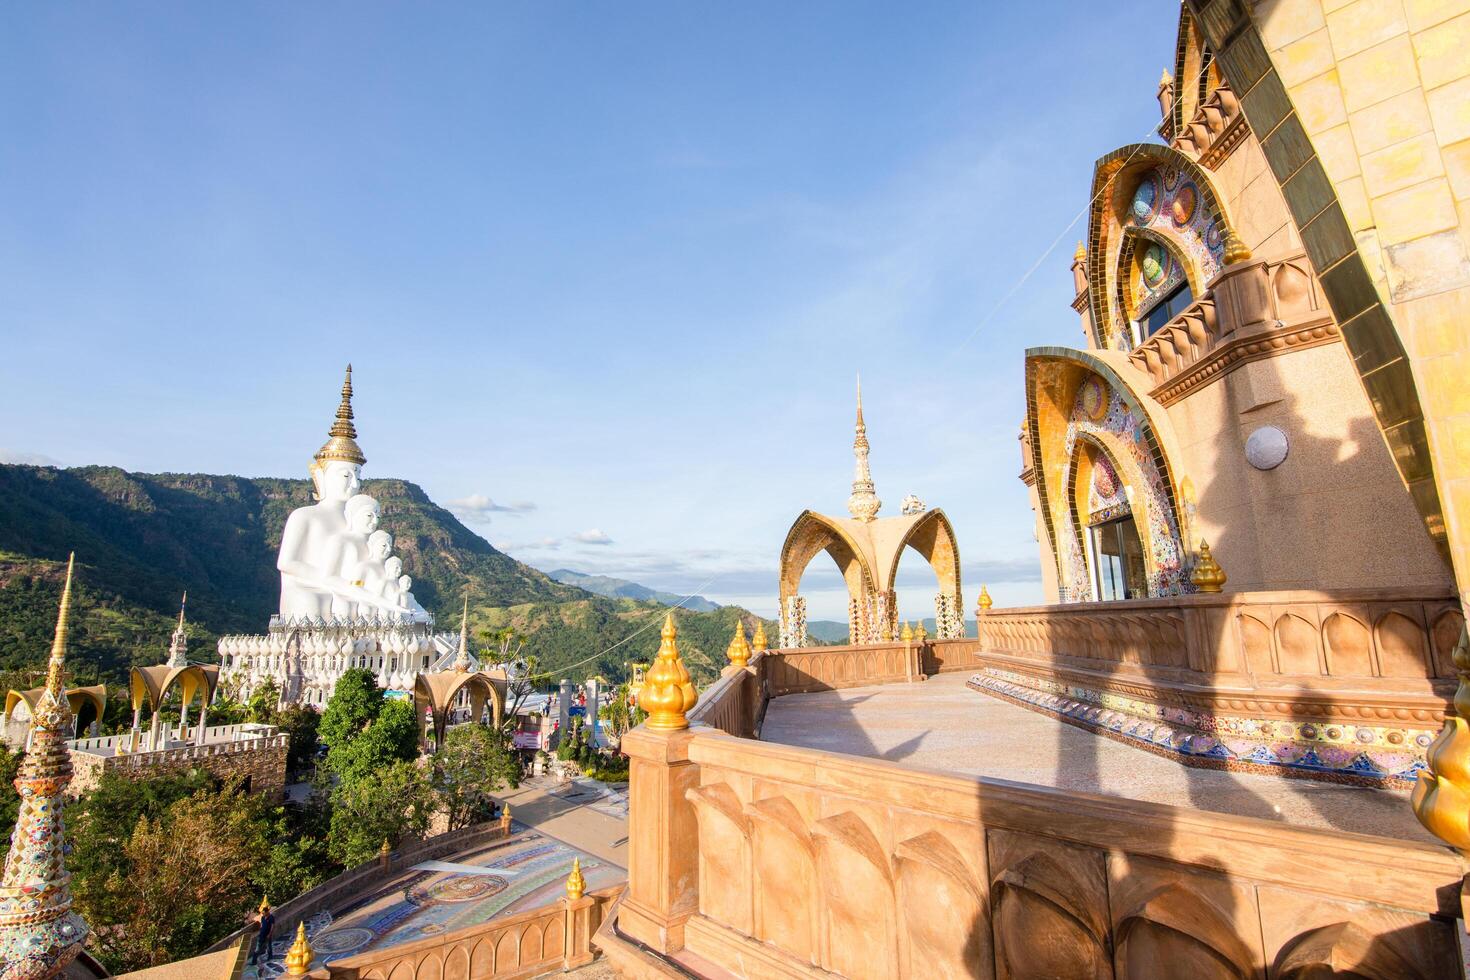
(944, 726)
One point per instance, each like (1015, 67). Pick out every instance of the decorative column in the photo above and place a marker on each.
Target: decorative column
(203, 722)
(592, 694)
(663, 836)
(39, 933)
(793, 622)
(564, 708)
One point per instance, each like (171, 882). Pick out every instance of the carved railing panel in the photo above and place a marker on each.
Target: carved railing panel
(811, 861)
(1246, 638)
(555, 937)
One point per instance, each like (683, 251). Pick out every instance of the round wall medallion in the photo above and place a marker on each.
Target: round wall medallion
(1266, 447)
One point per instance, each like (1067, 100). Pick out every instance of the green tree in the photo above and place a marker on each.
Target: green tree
(100, 822)
(184, 881)
(355, 701)
(227, 711)
(300, 724)
(392, 737)
(261, 708)
(471, 767)
(389, 804)
(9, 798)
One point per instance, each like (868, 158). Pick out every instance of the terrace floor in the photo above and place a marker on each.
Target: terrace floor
(944, 726)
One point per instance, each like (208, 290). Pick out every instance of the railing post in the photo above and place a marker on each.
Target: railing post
(663, 837)
(578, 910)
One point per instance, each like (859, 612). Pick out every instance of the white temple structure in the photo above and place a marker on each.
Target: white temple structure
(345, 601)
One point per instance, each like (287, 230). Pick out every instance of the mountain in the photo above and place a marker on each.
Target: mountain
(142, 539)
(617, 588)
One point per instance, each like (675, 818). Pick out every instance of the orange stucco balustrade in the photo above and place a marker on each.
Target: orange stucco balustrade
(755, 859)
(1364, 654)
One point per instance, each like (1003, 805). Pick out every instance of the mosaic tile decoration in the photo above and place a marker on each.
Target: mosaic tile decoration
(430, 902)
(1168, 572)
(1169, 213)
(1381, 756)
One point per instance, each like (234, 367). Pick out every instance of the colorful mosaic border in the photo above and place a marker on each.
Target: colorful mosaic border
(1380, 756)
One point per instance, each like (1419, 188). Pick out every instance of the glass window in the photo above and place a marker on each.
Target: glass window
(1167, 309)
(1118, 554)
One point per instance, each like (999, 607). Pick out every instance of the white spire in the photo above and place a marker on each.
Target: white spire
(863, 504)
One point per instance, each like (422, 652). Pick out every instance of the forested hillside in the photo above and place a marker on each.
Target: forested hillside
(142, 539)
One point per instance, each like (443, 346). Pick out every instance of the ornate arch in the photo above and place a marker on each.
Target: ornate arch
(812, 533)
(1124, 426)
(153, 684)
(96, 696)
(436, 693)
(1106, 229)
(933, 537)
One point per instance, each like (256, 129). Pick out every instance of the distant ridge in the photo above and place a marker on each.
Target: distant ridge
(141, 539)
(617, 588)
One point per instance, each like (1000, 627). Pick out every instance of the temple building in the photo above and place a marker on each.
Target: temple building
(345, 602)
(254, 754)
(1251, 496)
(867, 549)
(1235, 500)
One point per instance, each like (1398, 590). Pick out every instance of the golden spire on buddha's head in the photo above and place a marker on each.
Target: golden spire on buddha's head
(342, 436)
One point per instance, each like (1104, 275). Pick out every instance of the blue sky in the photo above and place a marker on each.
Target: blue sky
(612, 267)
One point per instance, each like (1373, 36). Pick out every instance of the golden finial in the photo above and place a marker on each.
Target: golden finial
(386, 849)
(1081, 254)
(984, 603)
(1235, 249)
(1441, 796)
(759, 641)
(1166, 79)
(505, 812)
(739, 649)
(265, 903)
(342, 441)
(667, 690)
(298, 957)
(908, 633)
(462, 660)
(1207, 576)
(56, 667)
(182, 603)
(921, 634)
(576, 884)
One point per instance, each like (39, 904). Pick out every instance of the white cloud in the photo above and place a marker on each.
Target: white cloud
(27, 459)
(540, 544)
(592, 536)
(477, 508)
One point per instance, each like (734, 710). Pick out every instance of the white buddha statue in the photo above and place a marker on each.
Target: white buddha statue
(389, 588)
(315, 537)
(375, 574)
(417, 613)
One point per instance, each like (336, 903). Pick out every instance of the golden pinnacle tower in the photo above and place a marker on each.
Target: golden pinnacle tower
(39, 933)
(341, 443)
(864, 504)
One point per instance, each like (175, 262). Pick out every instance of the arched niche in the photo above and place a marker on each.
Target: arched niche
(1153, 189)
(1080, 408)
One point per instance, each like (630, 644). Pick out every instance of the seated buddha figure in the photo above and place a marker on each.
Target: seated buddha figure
(315, 537)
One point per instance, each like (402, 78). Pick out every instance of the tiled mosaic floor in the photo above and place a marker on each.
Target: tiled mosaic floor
(525, 872)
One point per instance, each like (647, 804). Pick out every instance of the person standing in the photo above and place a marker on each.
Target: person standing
(267, 920)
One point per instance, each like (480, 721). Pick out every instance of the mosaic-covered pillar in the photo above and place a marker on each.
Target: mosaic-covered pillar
(793, 622)
(884, 624)
(949, 623)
